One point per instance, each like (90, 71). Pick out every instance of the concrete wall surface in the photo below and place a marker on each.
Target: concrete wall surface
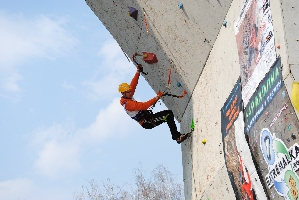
(205, 60)
(181, 38)
(290, 10)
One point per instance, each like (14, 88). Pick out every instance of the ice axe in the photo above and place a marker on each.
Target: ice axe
(139, 66)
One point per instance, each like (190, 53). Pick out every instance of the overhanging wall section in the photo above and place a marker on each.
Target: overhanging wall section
(181, 38)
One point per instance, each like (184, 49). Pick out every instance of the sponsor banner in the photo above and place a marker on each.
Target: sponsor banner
(239, 163)
(255, 42)
(231, 108)
(263, 96)
(272, 128)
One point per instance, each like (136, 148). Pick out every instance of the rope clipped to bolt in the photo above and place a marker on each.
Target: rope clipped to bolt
(145, 21)
(168, 88)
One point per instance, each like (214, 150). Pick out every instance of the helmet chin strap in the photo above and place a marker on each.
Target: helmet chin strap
(125, 97)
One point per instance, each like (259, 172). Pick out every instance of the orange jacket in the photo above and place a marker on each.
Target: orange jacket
(133, 107)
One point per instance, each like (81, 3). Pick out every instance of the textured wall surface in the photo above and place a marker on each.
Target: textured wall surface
(204, 57)
(181, 38)
(290, 10)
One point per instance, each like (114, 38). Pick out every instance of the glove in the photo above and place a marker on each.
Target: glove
(139, 68)
(159, 94)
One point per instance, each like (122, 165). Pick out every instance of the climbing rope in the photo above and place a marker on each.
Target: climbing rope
(125, 55)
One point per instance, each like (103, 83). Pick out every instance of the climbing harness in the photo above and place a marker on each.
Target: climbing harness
(148, 116)
(137, 64)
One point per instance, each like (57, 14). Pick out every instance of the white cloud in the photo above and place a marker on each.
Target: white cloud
(104, 88)
(60, 147)
(58, 150)
(112, 121)
(9, 83)
(110, 50)
(114, 69)
(22, 39)
(27, 189)
(57, 156)
(15, 189)
(68, 86)
(114, 60)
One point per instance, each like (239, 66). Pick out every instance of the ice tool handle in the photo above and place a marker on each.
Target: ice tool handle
(137, 64)
(173, 95)
(168, 87)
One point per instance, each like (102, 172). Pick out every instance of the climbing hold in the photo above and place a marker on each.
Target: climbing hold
(278, 46)
(178, 84)
(192, 125)
(224, 23)
(150, 58)
(144, 55)
(293, 136)
(180, 5)
(295, 95)
(204, 141)
(286, 119)
(289, 127)
(133, 12)
(283, 94)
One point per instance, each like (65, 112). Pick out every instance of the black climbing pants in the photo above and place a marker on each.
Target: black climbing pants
(159, 118)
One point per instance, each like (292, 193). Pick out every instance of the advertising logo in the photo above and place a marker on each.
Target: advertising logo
(282, 165)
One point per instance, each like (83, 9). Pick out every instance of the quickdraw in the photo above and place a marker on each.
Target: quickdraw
(145, 21)
(168, 87)
(168, 82)
(137, 64)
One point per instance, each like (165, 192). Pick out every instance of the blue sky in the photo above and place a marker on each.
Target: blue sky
(61, 122)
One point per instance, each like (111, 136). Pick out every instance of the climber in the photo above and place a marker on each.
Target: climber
(138, 110)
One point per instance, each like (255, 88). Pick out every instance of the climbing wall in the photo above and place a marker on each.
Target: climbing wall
(181, 38)
(224, 53)
(289, 11)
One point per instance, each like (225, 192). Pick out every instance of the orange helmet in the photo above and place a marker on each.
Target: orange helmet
(124, 87)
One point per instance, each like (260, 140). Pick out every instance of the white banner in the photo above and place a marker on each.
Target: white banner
(255, 42)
